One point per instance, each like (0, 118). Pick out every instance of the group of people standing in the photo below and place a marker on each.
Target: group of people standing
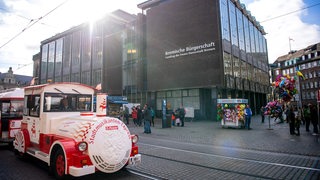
(146, 115)
(296, 117)
(177, 117)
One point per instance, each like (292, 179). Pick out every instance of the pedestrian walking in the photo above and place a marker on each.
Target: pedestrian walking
(152, 116)
(307, 116)
(173, 118)
(126, 114)
(134, 115)
(297, 123)
(121, 114)
(262, 109)
(139, 115)
(314, 119)
(182, 113)
(248, 115)
(147, 119)
(303, 121)
(291, 119)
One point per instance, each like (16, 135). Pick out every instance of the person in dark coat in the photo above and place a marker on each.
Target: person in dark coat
(182, 114)
(126, 114)
(314, 119)
(139, 115)
(147, 116)
(307, 116)
(291, 119)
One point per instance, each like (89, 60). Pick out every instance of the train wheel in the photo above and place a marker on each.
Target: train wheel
(19, 144)
(58, 166)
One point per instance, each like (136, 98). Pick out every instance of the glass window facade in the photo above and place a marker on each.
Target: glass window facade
(227, 63)
(74, 57)
(240, 30)
(225, 28)
(97, 45)
(245, 35)
(66, 58)
(233, 25)
(51, 60)
(58, 61)
(44, 63)
(85, 50)
(130, 82)
(75, 54)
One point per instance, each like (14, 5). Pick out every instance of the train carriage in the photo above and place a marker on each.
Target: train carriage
(11, 107)
(60, 128)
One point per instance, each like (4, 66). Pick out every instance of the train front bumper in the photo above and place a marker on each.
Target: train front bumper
(135, 160)
(75, 171)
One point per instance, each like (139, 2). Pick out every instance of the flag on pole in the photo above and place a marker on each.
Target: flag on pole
(98, 87)
(32, 82)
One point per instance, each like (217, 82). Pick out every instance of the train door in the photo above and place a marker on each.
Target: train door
(32, 118)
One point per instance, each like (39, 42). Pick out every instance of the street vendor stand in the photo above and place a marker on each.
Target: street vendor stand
(231, 112)
(115, 104)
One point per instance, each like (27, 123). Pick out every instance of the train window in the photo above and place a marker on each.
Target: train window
(67, 102)
(33, 105)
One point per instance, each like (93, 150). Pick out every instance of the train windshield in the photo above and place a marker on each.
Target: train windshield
(11, 108)
(54, 102)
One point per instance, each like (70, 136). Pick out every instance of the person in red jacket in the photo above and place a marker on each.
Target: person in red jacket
(134, 115)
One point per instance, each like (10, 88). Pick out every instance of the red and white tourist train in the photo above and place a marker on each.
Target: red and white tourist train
(60, 128)
(11, 108)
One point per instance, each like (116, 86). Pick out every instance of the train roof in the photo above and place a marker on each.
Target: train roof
(60, 87)
(12, 94)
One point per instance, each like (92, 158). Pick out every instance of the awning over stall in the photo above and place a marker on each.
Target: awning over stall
(117, 99)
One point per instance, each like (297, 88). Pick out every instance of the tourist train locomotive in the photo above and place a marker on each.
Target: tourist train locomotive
(60, 128)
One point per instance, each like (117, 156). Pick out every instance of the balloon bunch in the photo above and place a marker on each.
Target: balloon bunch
(273, 108)
(285, 87)
(240, 111)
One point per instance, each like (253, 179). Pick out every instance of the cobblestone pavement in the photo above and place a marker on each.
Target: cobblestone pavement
(273, 137)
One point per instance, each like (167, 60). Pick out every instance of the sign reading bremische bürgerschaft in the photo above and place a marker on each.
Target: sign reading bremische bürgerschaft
(189, 50)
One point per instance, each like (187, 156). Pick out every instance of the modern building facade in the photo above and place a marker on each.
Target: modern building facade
(187, 52)
(307, 60)
(89, 53)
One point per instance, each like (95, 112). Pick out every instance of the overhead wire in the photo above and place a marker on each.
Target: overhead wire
(33, 22)
(23, 17)
(276, 17)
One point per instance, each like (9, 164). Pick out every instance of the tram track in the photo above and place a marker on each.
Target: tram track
(207, 167)
(250, 164)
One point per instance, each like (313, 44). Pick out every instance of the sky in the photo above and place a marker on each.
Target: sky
(25, 23)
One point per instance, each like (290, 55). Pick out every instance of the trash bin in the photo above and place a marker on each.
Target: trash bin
(166, 121)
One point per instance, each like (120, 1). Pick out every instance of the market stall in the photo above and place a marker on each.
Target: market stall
(231, 112)
(115, 104)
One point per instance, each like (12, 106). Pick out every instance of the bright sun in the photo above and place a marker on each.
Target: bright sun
(92, 10)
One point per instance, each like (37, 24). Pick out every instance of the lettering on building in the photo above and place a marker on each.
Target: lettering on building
(189, 50)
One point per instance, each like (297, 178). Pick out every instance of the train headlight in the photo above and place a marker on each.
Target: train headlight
(82, 146)
(134, 138)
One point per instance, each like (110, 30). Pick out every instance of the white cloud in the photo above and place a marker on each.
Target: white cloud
(280, 29)
(19, 52)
